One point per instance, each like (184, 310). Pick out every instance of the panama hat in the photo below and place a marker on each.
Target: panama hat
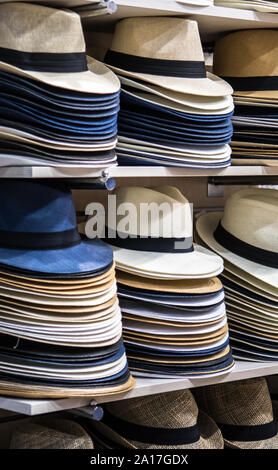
(246, 234)
(150, 246)
(47, 45)
(166, 52)
(251, 71)
(50, 433)
(164, 421)
(41, 234)
(243, 411)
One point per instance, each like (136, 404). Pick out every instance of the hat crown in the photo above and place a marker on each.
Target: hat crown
(252, 217)
(36, 28)
(249, 53)
(152, 213)
(33, 207)
(246, 402)
(158, 38)
(165, 410)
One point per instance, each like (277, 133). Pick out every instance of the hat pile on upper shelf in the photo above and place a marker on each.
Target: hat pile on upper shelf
(58, 107)
(173, 112)
(174, 319)
(257, 5)
(245, 235)
(252, 72)
(60, 322)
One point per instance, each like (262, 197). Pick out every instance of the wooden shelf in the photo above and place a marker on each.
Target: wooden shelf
(242, 370)
(212, 20)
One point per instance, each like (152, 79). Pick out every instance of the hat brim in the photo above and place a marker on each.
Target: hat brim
(98, 79)
(206, 225)
(210, 436)
(89, 255)
(262, 94)
(200, 263)
(210, 86)
(194, 103)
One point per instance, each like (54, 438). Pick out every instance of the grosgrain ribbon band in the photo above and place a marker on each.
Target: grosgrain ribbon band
(252, 83)
(240, 248)
(150, 435)
(39, 240)
(259, 432)
(45, 61)
(162, 67)
(153, 244)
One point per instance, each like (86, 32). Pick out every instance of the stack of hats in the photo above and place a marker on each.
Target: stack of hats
(164, 421)
(252, 72)
(246, 237)
(61, 332)
(57, 106)
(243, 411)
(257, 5)
(174, 320)
(173, 112)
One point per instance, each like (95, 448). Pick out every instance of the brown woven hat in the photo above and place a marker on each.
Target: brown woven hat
(243, 411)
(50, 434)
(248, 61)
(164, 421)
(47, 45)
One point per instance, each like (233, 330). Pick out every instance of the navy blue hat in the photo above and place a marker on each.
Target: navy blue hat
(38, 231)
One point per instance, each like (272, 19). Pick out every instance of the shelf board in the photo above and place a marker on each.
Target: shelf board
(144, 386)
(51, 172)
(212, 20)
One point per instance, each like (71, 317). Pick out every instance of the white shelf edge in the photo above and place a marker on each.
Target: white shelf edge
(160, 171)
(144, 386)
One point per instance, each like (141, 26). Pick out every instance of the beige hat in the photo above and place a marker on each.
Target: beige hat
(251, 70)
(243, 411)
(47, 45)
(160, 244)
(166, 52)
(246, 234)
(49, 433)
(164, 421)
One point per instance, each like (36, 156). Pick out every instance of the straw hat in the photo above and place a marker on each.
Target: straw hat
(164, 421)
(47, 45)
(246, 234)
(50, 433)
(243, 411)
(160, 244)
(252, 71)
(166, 52)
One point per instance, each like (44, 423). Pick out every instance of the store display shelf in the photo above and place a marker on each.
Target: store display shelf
(242, 370)
(131, 172)
(212, 20)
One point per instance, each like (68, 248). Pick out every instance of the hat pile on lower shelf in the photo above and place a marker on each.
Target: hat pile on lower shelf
(57, 106)
(246, 237)
(253, 78)
(174, 320)
(173, 112)
(60, 321)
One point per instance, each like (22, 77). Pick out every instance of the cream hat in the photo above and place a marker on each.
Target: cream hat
(161, 244)
(243, 411)
(164, 421)
(166, 52)
(252, 71)
(47, 45)
(246, 234)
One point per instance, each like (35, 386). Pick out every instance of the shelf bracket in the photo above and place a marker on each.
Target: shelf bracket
(93, 411)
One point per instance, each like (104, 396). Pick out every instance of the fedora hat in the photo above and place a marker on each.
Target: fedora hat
(47, 45)
(251, 71)
(50, 433)
(41, 233)
(151, 246)
(164, 421)
(243, 411)
(246, 234)
(166, 52)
